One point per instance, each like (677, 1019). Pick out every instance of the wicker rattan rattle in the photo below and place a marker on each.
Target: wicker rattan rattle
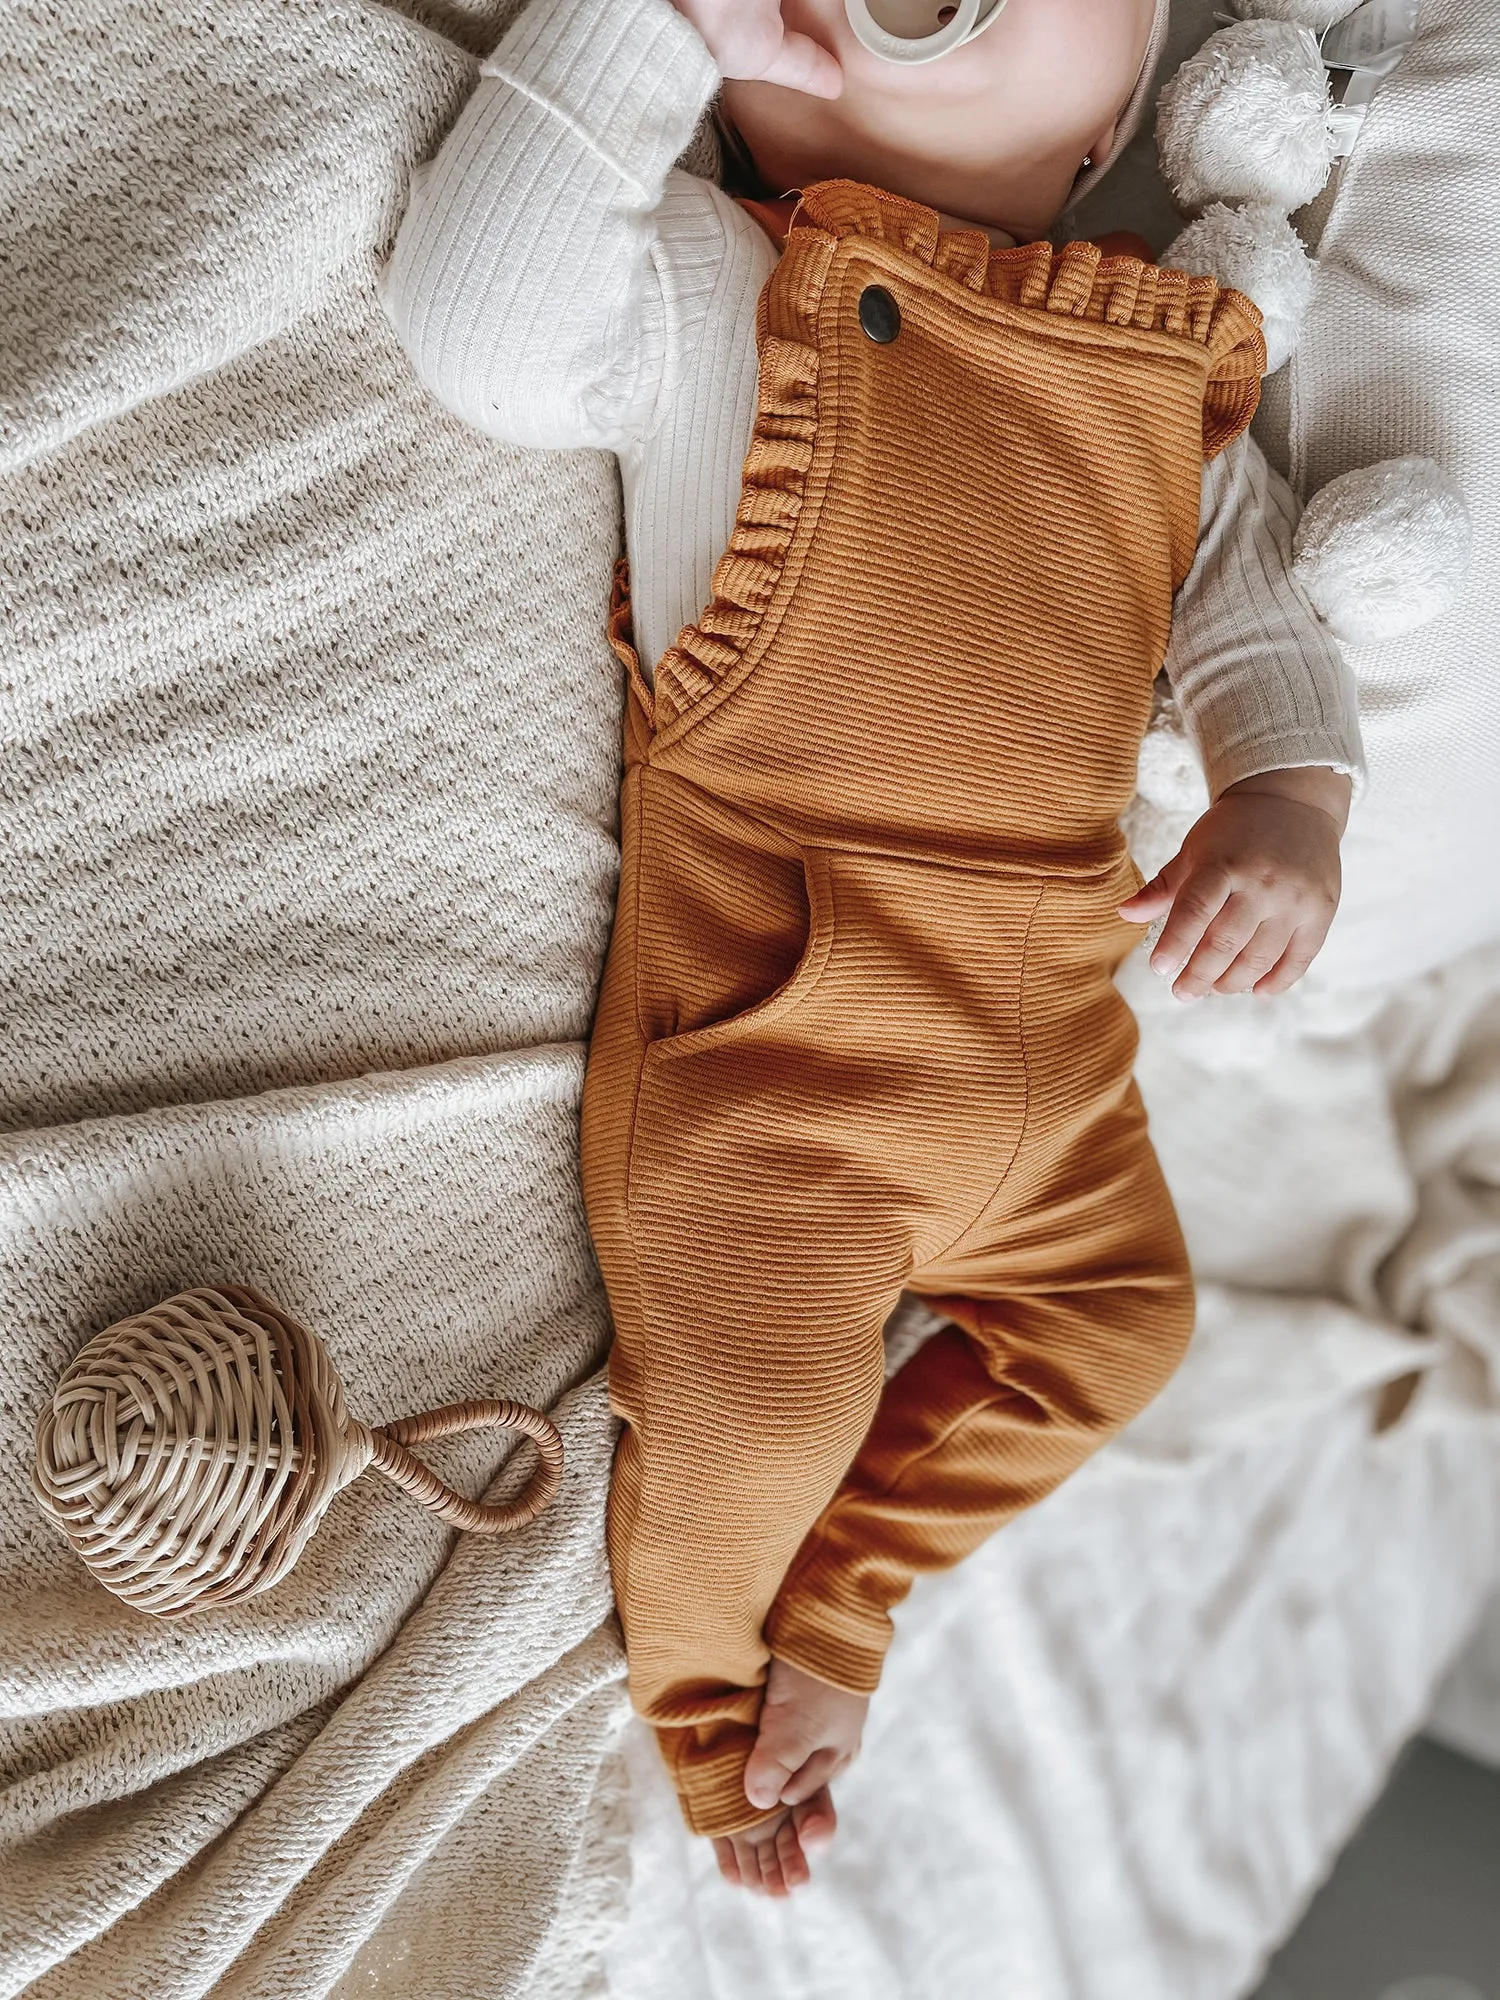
(188, 1454)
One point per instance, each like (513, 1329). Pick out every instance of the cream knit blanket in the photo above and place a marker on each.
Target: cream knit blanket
(310, 740)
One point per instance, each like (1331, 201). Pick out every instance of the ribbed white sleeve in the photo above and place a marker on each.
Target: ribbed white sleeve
(522, 282)
(1260, 681)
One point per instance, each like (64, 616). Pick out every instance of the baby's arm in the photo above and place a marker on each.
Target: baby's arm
(1271, 705)
(523, 282)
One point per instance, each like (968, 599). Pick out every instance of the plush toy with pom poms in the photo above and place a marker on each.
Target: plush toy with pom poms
(1319, 15)
(1257, 251)
(1247, 119)
(1244, 136)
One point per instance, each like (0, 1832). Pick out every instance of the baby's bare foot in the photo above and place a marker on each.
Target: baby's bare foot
(771, 1858)
(809, 1732)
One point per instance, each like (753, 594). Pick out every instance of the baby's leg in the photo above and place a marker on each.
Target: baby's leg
(808, 1733)
(1067, 1313)
(749, 1272)
(1068, 1308)
(742, 1414)
(751, 1248)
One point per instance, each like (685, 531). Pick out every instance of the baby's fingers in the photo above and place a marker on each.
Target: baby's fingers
(1149, 902)
(800, 64)
(1224, 937)
(812, 1777)
(1196, 902)
(1294, 961)
(1257, 959)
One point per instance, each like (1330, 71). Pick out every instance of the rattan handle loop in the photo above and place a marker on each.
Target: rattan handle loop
(393, 1459)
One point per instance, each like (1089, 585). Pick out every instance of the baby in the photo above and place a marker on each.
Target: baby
(916, 508)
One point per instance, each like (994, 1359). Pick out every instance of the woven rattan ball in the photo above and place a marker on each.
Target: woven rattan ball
(189, 1453)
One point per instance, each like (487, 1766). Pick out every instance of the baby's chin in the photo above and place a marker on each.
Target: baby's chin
(795, 141)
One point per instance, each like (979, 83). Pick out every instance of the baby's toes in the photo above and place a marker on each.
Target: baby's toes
(793, 1862)
(815, 1819)
(728, 1860)
(749, 1860)
(813, 1776)
(780, 1751)
(762, 1866)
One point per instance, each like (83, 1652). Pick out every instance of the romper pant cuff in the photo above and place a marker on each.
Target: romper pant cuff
(841, 1641)
(707, 1766)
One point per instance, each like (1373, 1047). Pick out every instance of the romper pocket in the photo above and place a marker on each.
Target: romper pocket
(875, 1097)
(783, 999)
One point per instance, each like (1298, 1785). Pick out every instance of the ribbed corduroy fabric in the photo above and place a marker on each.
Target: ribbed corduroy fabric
(858, 1029)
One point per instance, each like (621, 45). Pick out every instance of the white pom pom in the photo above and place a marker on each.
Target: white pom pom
(1319, 15)
(1170, 790)
(1168, 775)
(1257, 251)
(1247, 119)
(1382, 549)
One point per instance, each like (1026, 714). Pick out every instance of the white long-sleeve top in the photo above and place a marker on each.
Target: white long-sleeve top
(557, 282)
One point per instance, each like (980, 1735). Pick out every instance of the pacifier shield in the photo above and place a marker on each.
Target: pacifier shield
(919, 31)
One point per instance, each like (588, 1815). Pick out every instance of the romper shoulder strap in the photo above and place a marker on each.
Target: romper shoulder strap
(1080, 281)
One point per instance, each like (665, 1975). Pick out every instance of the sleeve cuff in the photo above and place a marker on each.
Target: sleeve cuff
(1299, 751)
(632, 77)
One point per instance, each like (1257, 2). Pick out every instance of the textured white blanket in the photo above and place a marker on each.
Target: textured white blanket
(307, 796)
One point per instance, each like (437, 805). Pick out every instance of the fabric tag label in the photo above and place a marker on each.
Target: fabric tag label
(1365, 46)
(1376, 32)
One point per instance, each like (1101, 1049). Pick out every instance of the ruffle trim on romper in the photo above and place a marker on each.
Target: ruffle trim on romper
(1078, 281)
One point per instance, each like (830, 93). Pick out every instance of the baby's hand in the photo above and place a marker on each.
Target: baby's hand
(747, 39)
(1253, 888)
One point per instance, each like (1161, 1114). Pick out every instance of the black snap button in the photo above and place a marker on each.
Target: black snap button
(879, 314)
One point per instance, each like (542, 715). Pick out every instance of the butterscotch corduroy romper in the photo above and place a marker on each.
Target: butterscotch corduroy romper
(858, 1031)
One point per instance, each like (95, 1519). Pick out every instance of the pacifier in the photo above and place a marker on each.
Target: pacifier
(919, 31)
